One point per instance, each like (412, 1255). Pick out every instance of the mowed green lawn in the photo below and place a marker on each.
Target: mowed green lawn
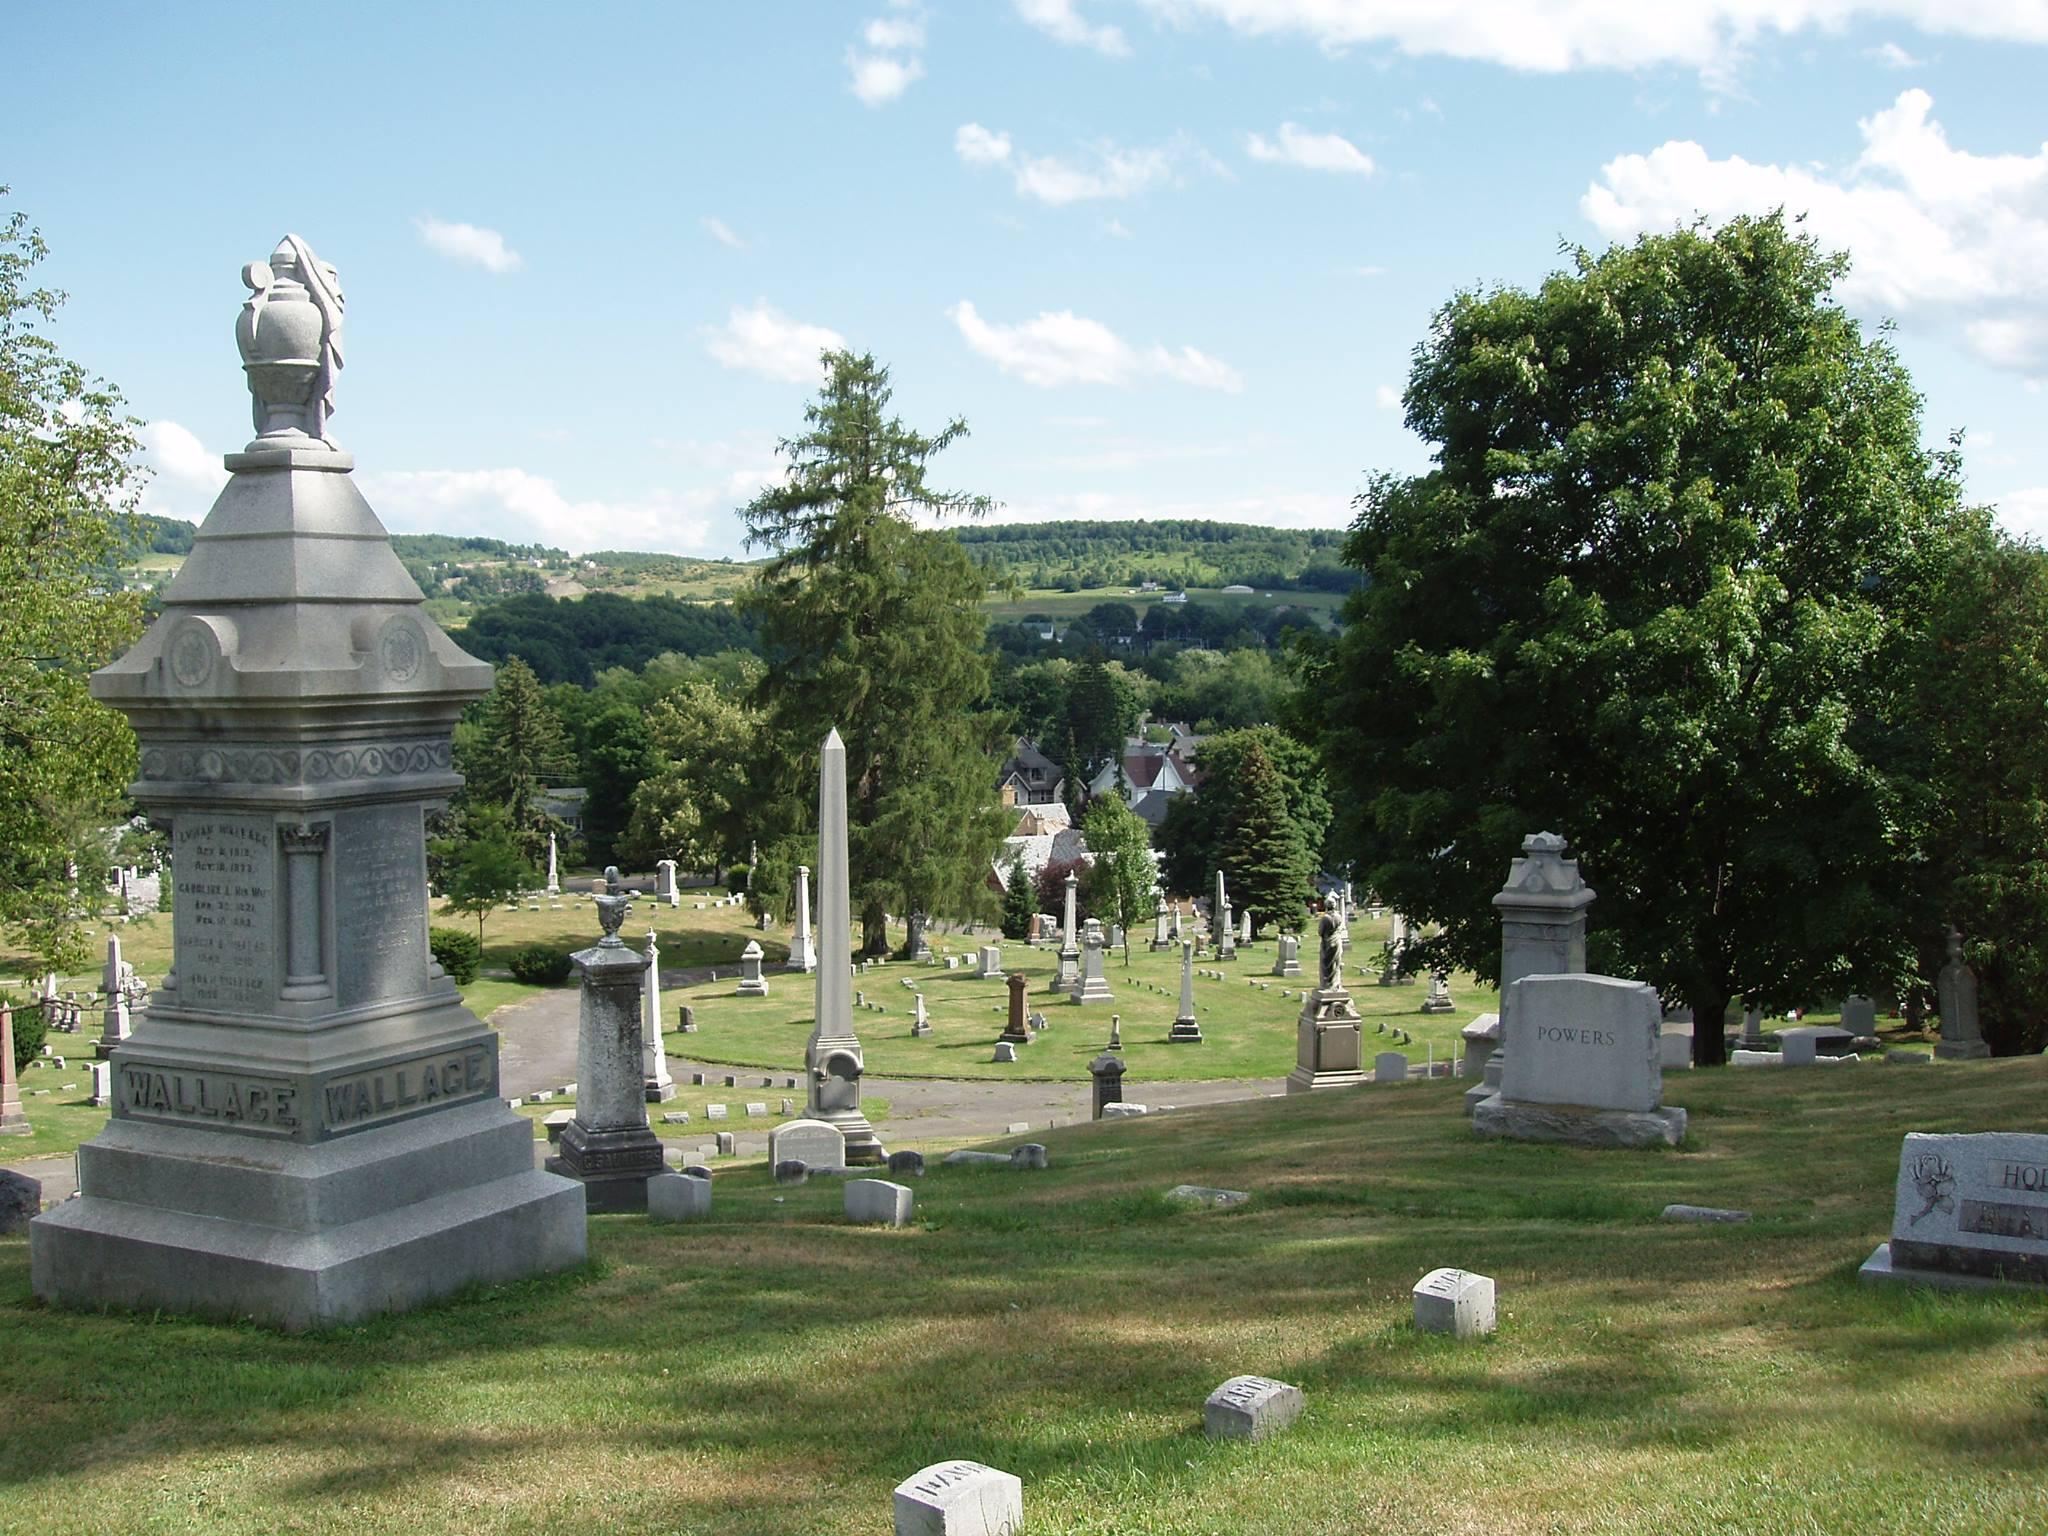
(1248, 1026)
(775, 1370)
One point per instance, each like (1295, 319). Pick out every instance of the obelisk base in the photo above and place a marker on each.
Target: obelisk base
(296, 1236)
(613, 1166)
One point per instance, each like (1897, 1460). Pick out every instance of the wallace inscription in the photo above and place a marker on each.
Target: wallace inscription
(225, 912)
(380, 901)
(397, 1089)
(151, 1091)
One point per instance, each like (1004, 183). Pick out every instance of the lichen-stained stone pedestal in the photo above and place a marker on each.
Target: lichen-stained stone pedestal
(307, 1128)
(1329, 1036)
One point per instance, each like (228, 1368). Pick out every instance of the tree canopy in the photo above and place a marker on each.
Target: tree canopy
(516, 748)
(1192, 841)
(1655, 595)
(67, 488)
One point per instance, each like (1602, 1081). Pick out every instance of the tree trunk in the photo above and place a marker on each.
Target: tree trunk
(1709, 1026)
(874, 931)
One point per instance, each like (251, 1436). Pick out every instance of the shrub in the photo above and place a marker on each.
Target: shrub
(540, 965)
(29, 1033)
(737, 879)
(460, 953)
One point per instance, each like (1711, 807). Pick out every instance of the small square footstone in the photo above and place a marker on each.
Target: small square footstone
(1200, 1194)
(756, 1109)
(877, 1200)
(1454, 1301)
(678, 1197)
(697, 1171)
(792, 1171)
(1250, 1408)
(673, 1117)
(1005, 1051)
(1018, 1128)
(959, 1498)
(727, 1146)
(1030, 1155)
(1702, 1213)
(714, 1112)
(968, 1159)
(1969, 1211)
(907, 1164)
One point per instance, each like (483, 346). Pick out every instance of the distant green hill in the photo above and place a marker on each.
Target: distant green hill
(1076, 556)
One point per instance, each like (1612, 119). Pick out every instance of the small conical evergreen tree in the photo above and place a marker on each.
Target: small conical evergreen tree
(1020, 903)
(1264, 860)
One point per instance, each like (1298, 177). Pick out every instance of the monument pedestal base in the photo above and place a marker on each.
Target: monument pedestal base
(297, 1236)
(1880, 1269)
(612, 1166)
(1184, 1032)
(1517, 1120)
(660, 1089)
(1329, 1044)
(1962, 1050)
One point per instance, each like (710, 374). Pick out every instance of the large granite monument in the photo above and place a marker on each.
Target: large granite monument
(1955, 990)
(834, 1056)
(307, 1126)
(1581, 1062)
(1542, 931)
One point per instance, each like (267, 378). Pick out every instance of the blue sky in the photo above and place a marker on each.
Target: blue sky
(1167, 257)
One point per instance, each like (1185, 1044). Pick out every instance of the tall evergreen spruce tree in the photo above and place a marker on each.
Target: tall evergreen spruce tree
(873, 625)
(1020, 903)
(1264, 858)
(518, 745)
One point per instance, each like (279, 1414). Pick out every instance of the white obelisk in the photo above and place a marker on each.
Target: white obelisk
(803, 947)
(834, 1057)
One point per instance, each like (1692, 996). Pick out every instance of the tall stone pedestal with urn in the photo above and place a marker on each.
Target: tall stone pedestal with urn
(306, 1128)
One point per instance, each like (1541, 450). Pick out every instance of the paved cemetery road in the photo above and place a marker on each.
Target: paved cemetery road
(537, 1050)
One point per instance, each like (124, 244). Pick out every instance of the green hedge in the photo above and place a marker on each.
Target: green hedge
(460, 954)
(540, 965)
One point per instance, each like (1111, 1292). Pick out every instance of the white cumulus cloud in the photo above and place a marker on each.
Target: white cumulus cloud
(887, 60)
(1059, 20)
(2025, 512)
(1297, 146)
(1059, 347)
(1552, 35)
(185, 475)
(1932, 229)
(1387, 398)
(469, 245)
(1108, 171)
(723, 232)
(763, 340)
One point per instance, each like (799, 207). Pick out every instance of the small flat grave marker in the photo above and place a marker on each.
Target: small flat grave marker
(1200, 1194)
(959, 1498)
(1454, 1301)
(1250, 1408)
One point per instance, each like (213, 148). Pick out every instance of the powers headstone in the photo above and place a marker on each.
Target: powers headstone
(1582, 1063)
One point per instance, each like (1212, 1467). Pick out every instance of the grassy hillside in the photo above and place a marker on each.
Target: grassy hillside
(775, 1370)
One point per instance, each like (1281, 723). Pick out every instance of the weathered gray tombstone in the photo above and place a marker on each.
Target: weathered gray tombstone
(21, 1199)
(1542, 924)
(1582, 1064)
(1161, 939)
(1968, 1212)
(660, 1083)
(725, 1144)
(1454, 1301)
(1092, 987)
(1187, 1029)
(1107, 1072)
(678, 1197)
(1859, 1016)
(308, 1127)
(834, 1057)
(1797, 1048)
(686, 1024)
(1329, 1036)
(102, 1085)
(752, 982)
(907, 1164)
(879, 1201)
(665, 887)
(1251, 1408)
(1221, 927)
(1482, 1059)
(13, 1122)
(803, 946)
(1287, 960)
(1390, 1067)
(1439, 998)
(1955, 989)
(817, 1144)
(1005, 1052)
(919, 1024)
(608, 1147)
(959, 1498)
(114, 1013)
(989, 961)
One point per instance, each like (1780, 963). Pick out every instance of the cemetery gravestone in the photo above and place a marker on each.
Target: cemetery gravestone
(1092, 987)
(678, 1197)
(959, 1498)
(306, 1080)
(803, 946)
(1968, 1212)
(1390, 1067)
(21, 1198)
(1287, 962)
(1582, 1065)
(1962, 1038)
(114, 1016)
(752, 982)
(1251, 1408)
(1017, 1029)
(1068, 976)
(814, 1143)
(660, 1084)
(878, 1201)
(13, 1122)
(1107, 1071)
(990, 959)
(834, 1057)
(1187, 1029)
(1454, 1301)
(1329, 1036)
(1859, 1017)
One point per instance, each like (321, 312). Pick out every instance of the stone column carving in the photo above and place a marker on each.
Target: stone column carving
(305, 857)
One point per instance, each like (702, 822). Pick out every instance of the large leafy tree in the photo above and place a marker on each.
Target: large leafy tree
(67, 488)
(481, 863)
(695, 804)
(516, 748)
(1118, 887)
(1978, 753)
(1101, 708)
(1191, 841)
(871, 623)
(1655, 596)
